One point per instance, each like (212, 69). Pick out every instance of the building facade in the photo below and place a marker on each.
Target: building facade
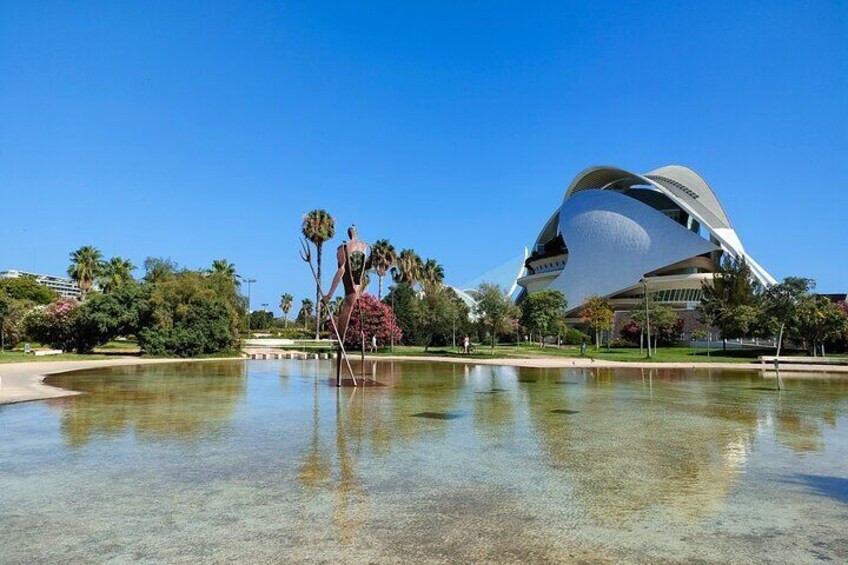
(619, 233)
(65, 287)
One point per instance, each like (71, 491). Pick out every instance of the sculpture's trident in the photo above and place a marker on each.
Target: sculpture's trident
(306, 255)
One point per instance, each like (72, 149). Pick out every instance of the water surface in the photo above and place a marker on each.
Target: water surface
(263, 461)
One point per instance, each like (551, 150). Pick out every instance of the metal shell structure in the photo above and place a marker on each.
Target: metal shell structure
(616, 231)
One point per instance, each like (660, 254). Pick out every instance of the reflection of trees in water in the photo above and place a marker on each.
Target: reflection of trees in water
(648, 438)
(493, 401)
(369, 421)
(634, 445)
(803, 411)
(159, 402)
(624, 442)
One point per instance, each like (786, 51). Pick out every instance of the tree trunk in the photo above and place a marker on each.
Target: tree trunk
(597, 339)
(285, 319)
(318, 248)
(380, 287)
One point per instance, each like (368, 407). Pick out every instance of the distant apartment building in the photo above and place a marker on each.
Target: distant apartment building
(65, 287)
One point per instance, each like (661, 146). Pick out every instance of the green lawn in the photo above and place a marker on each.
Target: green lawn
(124, 346)
(21, 357)
(664, 354)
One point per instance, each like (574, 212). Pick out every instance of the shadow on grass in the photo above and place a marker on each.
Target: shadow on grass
(835, 488)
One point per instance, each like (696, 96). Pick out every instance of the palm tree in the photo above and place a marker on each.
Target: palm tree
(225, 268)
(86, 265)
(305, 311)
(318, 227)
(334, 305)
(286, 302)
(383, 258)
(432, 274)
(115, 273)
(408, 267)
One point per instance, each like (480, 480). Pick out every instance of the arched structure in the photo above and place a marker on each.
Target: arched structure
(615, 228)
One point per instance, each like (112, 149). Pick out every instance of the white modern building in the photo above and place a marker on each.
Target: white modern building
(65, 287)
(617, 232)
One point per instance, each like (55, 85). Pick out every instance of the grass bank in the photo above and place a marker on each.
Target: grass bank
(662, 355)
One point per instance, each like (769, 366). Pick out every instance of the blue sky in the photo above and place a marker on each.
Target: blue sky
(205, 130)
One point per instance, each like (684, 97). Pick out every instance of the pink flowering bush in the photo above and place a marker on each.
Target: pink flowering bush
(54, 324)
(377, 320)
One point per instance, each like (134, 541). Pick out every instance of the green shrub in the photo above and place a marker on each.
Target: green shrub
(203, 327)
(103, 317)
(26, 288)
(293, 332)
(573, 336)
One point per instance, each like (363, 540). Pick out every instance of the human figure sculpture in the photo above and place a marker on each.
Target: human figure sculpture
(354, 260)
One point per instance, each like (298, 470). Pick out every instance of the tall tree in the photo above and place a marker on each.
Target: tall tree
(318, 227)
(432, 274)
(383, 258)
(598, 314)
(782, 301)
(409, 267)
(224, 268)
(732, 300)
(404, 302)
(157, 269)
(494, 310)
(26, 289)
(116, 273)
(334, 305)
(286, 303)
(86, 265)
(818, 320)
(305, 312)
(542, 311)
(438, 313)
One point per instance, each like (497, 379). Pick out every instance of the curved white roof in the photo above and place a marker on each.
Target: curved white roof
(684, 187)
(614, 241)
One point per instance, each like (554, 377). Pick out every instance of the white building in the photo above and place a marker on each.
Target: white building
(65, 287)
(617, 231)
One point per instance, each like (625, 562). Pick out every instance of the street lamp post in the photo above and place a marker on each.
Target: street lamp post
(647, 316)
(249, 281)
(391, 330)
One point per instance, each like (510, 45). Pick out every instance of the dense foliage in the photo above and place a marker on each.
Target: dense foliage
(55, 324)
(542, 313)
(597, 314)
(26, 289)
(171, 313)
(495, 311)
(372, 318)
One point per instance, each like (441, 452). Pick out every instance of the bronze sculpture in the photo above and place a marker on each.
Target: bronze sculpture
(354, 260)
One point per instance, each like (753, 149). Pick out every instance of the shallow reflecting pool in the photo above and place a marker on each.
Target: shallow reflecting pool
(262, 461)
